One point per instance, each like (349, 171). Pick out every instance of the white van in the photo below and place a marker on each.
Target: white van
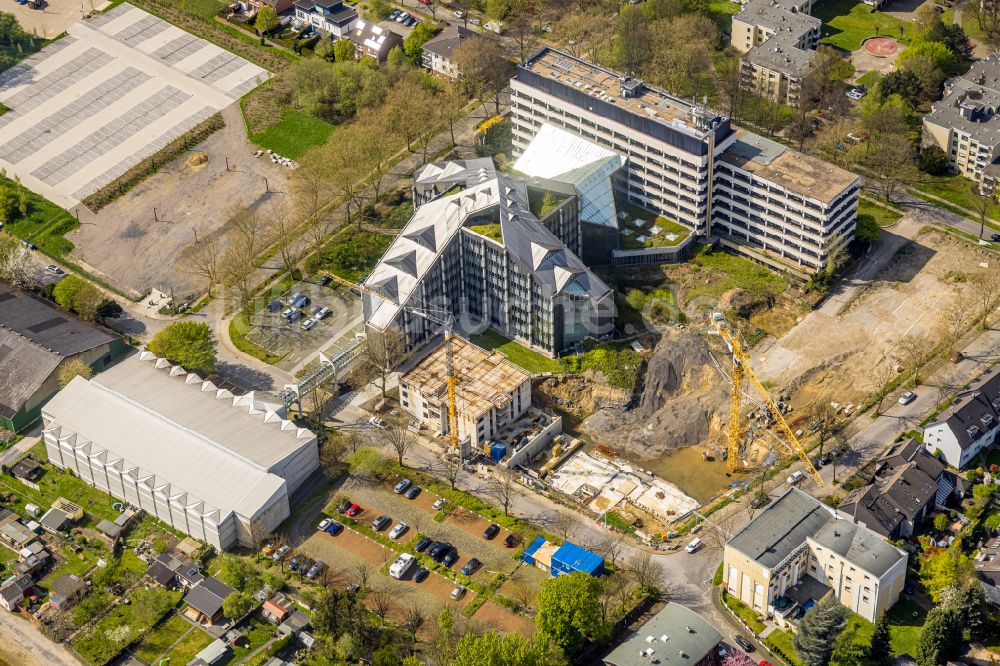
(402, 566)
(693, 546)
(794, 478)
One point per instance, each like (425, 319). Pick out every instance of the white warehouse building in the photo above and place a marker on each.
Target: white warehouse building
(214, 465)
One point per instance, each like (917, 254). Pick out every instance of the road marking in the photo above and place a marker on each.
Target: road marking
(915, 322)
(901, 305)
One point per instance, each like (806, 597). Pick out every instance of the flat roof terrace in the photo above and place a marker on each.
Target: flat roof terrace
(795, 171)
(606, 85)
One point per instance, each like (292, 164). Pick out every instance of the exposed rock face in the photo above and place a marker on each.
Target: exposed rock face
(681, 403)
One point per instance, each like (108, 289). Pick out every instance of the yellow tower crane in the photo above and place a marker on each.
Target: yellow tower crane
(741, 371)
(446, 321)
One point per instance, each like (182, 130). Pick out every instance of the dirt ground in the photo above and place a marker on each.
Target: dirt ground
(134, 252)
(831, 354)
(54, 19)
(501, 619)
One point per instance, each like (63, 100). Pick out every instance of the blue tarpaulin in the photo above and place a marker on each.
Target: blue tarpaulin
(571, 557)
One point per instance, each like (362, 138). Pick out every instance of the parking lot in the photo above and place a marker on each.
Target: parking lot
(278, 324)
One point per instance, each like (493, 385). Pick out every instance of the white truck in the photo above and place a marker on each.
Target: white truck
(402, 566)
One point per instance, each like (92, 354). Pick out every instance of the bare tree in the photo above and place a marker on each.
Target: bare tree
(563, 525)
(522, 594)
(352, 441)
(380, 600)
(982, 199)
(380, 353)
(397, 436)
(450, 467)
(824, 421)
(485, 69)
(415, 619)
(284, 228)
(955, 320)
(246, 235)
(503, 487)
(986, 288)
(202, 259)
(880, 377)
(362, 573)
(917, 349)
(613, 591)
(645, 570)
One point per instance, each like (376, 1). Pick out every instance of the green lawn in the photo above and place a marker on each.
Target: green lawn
(52, 485)
(721, 11)
(847, 23)
(745, 613)
(781, 642)
(870, 78)
(516, 353)
(491, 231)
(45, 225)
(294, 134)
(72, 563)
(238, 330)
(160, 639)
(641, 222)
(352, 254)
(720, 271)
(103, 641)
(882, 216)
(189, 646)
(957, 190)
(257, 633)
(904, 627)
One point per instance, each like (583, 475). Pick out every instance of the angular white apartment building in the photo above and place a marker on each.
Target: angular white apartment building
(680, 159)
(214, 465)
(970, 424)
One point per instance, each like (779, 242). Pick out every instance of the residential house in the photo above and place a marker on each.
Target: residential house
(674, 636)
(438, 52)
(374, 41)
(895, 504)
(254, 6)
(27, 469)
(987, 564)
(277, 609)
(969, 425)
(330, 16)
(66, 591)
(36, 340)
(14, 590)
(165, 568)
(204, 600)
(798, 550)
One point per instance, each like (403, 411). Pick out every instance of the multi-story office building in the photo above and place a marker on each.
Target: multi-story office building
(790, 209)
(494, 252)
(965, 123)
(797, 551)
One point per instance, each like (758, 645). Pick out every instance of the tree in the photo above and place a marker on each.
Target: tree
(449, 466)
(880, 378)
(847, 651)
(867, 230)
(74, 367)
(503, 487)
(344, 50)
(646, 571)
(817, 631)
(941, 522)
(824, 420)
(397, 57)
(936, 51)
(940, 638)
(890, 157)
(66, 290)
(485, 69)
(880, 650)
(986, 287)
(917, 349)
(945, 568)
(380, 8)
(16, 262)
(238, 573)
(569, 611)
(900, 82)
(967, 600)
(236, 605)
(267, 20)
(933, 161)
(493, 649)
(954, 322)
(369, 465)
(632, 39)
(202, 260)
(380, 353)
(413, 45)
(188, 344)
(681, 53)
(982, 200)
(399, 438)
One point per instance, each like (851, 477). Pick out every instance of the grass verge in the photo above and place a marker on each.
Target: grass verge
(881, 215)
(750, 617)
(780, 642)
(294, 134)
(516, 353)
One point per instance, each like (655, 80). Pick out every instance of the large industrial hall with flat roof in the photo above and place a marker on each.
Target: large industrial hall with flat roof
(217, 466)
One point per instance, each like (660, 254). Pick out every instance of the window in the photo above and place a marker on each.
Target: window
(864, 599)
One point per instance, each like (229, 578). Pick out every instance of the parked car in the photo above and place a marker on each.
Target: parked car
(474, 21)
(353, 588)
(353, 510)
(510, 541)
(334, 528)
(344, 506)
(29, 245)
(491, 531)
(401, 486)
(458, 14)
(398, 530)
(438, 550)
(743, 643)
(458, 592)
(323, 313)
(439, 504)
(394, 14)
(422, 544)
(410, 22)
(412, 492)
(294, 563)
(323, 524)
(794, 478)
(299, 300)
(421, 574)
(291, 315)
(995, 238)
(381, 424)
(316, 569)
(325, 280)
(907, 398)
(308, 324)
(280, 553)
(694, 545)
(471, 567)
(450, 557)
(380, 523)
(55, 270)
(267, 549)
